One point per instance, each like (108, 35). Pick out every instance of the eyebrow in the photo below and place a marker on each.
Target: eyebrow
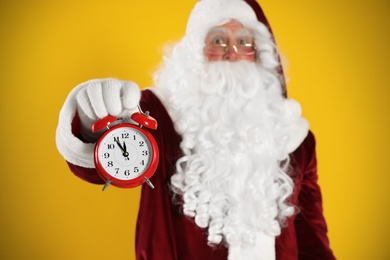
(244, 32)
(217, 30)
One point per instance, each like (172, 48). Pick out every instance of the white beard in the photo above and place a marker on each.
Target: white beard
(233, 175)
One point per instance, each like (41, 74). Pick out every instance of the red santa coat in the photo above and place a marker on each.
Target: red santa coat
(163, 232)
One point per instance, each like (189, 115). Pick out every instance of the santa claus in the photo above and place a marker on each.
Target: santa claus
(237, 175)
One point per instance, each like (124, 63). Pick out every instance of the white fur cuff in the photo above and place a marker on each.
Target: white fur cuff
(71, 148)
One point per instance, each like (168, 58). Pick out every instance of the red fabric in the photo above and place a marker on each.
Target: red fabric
(163, 232)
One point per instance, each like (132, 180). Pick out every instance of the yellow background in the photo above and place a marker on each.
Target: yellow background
(338, 54)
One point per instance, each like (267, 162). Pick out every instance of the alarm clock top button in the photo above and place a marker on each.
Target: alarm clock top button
(144, 120)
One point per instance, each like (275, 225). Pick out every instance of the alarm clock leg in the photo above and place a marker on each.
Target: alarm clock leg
(106, 184)
(149, 182)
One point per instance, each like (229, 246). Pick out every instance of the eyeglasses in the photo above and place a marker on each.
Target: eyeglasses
(220, 40)
(223, 48)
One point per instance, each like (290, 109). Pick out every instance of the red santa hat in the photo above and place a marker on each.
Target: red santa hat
(209, 13)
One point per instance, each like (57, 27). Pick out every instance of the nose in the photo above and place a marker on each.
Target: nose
(231, 54)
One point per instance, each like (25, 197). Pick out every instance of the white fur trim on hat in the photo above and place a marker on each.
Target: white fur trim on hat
(210, 13)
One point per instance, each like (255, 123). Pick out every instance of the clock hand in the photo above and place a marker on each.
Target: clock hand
(125, 153)
(124, 147)
(120, 146)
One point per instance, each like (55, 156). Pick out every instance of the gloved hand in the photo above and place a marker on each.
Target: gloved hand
(100, 98)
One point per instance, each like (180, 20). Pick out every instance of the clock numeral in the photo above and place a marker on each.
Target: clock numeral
(116, 170)
(116, 139)
(125, 135)
(136, 170)
(106, 155)
(144, 153)
(127, 172)
(142, 162)
(141, 143)
(110, 163)
(110, 146)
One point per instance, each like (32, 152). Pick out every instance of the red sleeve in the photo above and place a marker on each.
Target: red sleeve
(310, 225)
(86, 174)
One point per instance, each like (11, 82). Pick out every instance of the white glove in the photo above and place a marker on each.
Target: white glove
(100, 98)
(92, 100)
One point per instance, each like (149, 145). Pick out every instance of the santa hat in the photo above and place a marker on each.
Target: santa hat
(209, 13)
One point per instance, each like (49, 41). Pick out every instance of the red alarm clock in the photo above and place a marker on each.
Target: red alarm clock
(126, 155)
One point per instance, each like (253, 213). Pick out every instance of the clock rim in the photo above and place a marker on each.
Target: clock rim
(148, 173)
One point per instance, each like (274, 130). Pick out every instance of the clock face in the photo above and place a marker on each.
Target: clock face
(124, 153)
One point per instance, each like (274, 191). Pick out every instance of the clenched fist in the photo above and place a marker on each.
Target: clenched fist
(99, 98)
(92, 100)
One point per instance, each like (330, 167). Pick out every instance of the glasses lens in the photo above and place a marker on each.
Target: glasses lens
(221, 49)
(246, 49)
(216, 49)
